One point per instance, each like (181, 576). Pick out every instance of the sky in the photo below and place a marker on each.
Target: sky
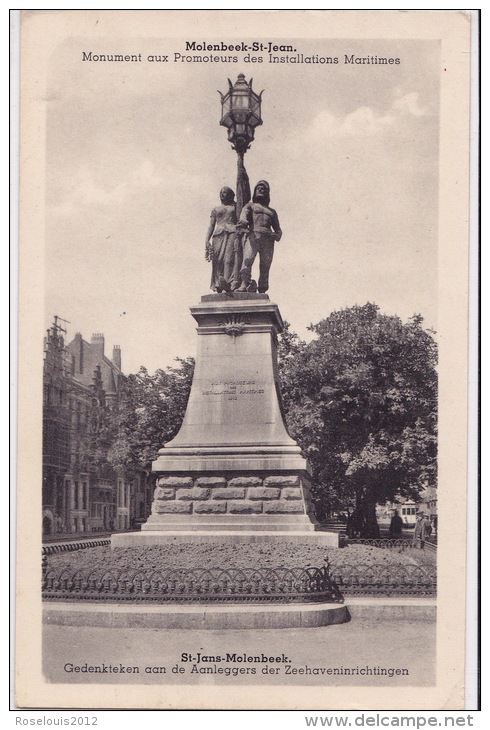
(135, 159)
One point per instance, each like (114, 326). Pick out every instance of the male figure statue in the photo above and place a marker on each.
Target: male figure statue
(220, 245)
(262, 226)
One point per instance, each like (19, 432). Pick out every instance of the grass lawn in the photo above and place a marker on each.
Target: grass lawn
(226, 555)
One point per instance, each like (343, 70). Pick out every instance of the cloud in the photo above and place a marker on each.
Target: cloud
(85, 192)
(409, 104)
(365, 121)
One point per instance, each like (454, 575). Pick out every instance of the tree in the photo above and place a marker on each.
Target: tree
(148, 415)
(361, 400)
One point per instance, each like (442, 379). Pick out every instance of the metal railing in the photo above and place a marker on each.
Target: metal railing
(244, 585)
(68, 547)
(391, 580)
(385, 543)
(197, 585)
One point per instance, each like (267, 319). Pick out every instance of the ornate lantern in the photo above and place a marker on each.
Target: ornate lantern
(240, 113)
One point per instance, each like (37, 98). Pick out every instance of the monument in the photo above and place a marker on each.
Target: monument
(233, 469)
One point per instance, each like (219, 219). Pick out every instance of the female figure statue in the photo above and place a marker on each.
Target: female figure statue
(220, 245)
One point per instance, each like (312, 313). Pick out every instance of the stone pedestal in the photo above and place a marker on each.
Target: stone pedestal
(233, 467)
(227, 501)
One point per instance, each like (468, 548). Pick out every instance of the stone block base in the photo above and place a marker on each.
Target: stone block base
(231, 502)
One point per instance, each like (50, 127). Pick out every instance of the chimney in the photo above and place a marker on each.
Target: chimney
(78, 349)
(116, 356)
(97, 343)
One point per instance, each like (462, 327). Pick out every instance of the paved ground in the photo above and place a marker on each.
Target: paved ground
(362, 645)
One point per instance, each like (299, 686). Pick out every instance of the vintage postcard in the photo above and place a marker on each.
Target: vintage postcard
(269, 210)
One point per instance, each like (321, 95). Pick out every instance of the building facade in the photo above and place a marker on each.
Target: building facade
(81, 491)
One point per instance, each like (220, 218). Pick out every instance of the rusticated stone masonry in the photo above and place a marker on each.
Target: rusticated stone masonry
(239, 495)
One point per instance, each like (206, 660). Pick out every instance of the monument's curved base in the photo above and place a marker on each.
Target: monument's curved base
(195, 617)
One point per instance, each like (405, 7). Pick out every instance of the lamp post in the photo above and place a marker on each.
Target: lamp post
(240, 114)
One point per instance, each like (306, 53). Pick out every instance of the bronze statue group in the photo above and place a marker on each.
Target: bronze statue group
(232, 244)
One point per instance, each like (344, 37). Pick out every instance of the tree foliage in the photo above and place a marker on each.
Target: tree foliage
(361, 400)
(148, 415)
